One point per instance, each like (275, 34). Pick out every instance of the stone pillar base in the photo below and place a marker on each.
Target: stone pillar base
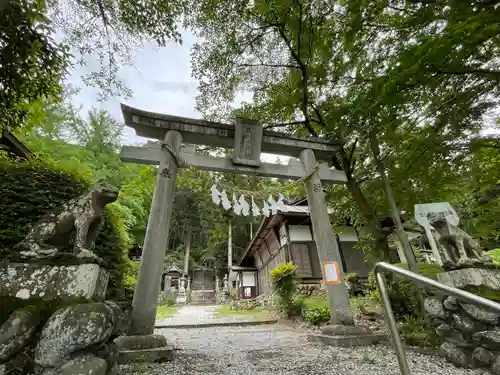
(346, 336)
(32, 280)
(144, 348)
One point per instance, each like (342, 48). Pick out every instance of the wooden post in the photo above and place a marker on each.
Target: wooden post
(147, 288)
(326, 243)
(230, 244)
(432, 243)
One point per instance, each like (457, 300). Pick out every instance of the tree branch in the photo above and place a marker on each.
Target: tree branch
(271, 65)
(282, 125)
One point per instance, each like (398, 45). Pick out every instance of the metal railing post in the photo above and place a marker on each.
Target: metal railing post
(393, 325)
(382, 267)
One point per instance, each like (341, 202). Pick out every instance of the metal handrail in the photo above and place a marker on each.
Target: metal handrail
(382, 267)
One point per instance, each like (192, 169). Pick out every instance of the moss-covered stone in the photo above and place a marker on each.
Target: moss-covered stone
(485, 292)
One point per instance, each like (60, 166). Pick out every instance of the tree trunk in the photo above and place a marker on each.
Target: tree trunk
(343, 161)
(366, 210)
(403, 238)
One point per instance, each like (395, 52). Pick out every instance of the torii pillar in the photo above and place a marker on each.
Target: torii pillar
(145, 300)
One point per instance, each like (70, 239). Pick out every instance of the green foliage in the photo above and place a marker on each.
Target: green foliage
(415, 331)
(46, 188)
(485, 292)
(284, 285)
(421, 76)
(109, 32)
(402, 292)
(130, 273)
(31, 63)
(283, 280)
(495, 256)
(352, 277)
(317, 316)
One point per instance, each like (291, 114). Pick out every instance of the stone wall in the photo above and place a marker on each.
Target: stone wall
(61, 324)
(308, 290)
(472, 335)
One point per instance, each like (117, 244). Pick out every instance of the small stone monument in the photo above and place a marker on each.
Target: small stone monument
(181, 296)
(218, 297)
(167, 284)
(225, 287)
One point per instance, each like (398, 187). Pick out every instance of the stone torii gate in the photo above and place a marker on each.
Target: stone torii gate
(248, 140)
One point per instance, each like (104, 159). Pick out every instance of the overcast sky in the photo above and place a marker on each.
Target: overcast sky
(160, 81)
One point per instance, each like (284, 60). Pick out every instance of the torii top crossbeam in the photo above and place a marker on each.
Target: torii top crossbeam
(217, 134)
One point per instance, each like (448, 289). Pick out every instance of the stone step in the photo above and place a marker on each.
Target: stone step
(348, 341)
(162, 354)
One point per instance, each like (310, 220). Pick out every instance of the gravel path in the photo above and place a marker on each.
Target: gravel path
(200, 315)
(267, 350)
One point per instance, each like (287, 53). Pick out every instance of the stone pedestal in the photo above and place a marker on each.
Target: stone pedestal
(471, 334)
(346, 336)
(29, 280)
(143, 348)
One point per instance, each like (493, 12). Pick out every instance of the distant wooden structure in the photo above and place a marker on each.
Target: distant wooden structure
(14, 147)
(288, 237)
(175, 273)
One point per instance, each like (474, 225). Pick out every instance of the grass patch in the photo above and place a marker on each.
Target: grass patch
(254, 314)
(165, 311)
(316, 302)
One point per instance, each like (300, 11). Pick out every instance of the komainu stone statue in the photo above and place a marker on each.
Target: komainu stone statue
(460, 250)
(72, 229)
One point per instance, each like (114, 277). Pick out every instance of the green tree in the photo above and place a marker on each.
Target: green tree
(348, 71)
(31, 63)
(110, 32)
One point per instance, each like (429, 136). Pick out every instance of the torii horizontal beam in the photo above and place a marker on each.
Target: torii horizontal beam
(293, 171)
(216, 134)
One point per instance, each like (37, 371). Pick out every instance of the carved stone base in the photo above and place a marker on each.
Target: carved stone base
(55, 256)
(146, 348)
(28, 280)
(346, 336)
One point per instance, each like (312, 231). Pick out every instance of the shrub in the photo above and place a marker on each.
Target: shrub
(31, 189)
(495, 256)
(352, 277)
(244, 305)
(416, 332)
(402, 292)
(284, 285)
(296, 307)
(317, 316)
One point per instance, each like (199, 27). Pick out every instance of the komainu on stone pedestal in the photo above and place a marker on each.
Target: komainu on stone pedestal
(460, 250)
(71, 231)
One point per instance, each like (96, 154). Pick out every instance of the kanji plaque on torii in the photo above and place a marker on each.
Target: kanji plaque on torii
(247, 139)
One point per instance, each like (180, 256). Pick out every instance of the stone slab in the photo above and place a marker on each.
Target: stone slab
(28, 280)
(140, 342)
(345, 330)
(347, 341)
(465, 277)
(162, 354)
(243, 323)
